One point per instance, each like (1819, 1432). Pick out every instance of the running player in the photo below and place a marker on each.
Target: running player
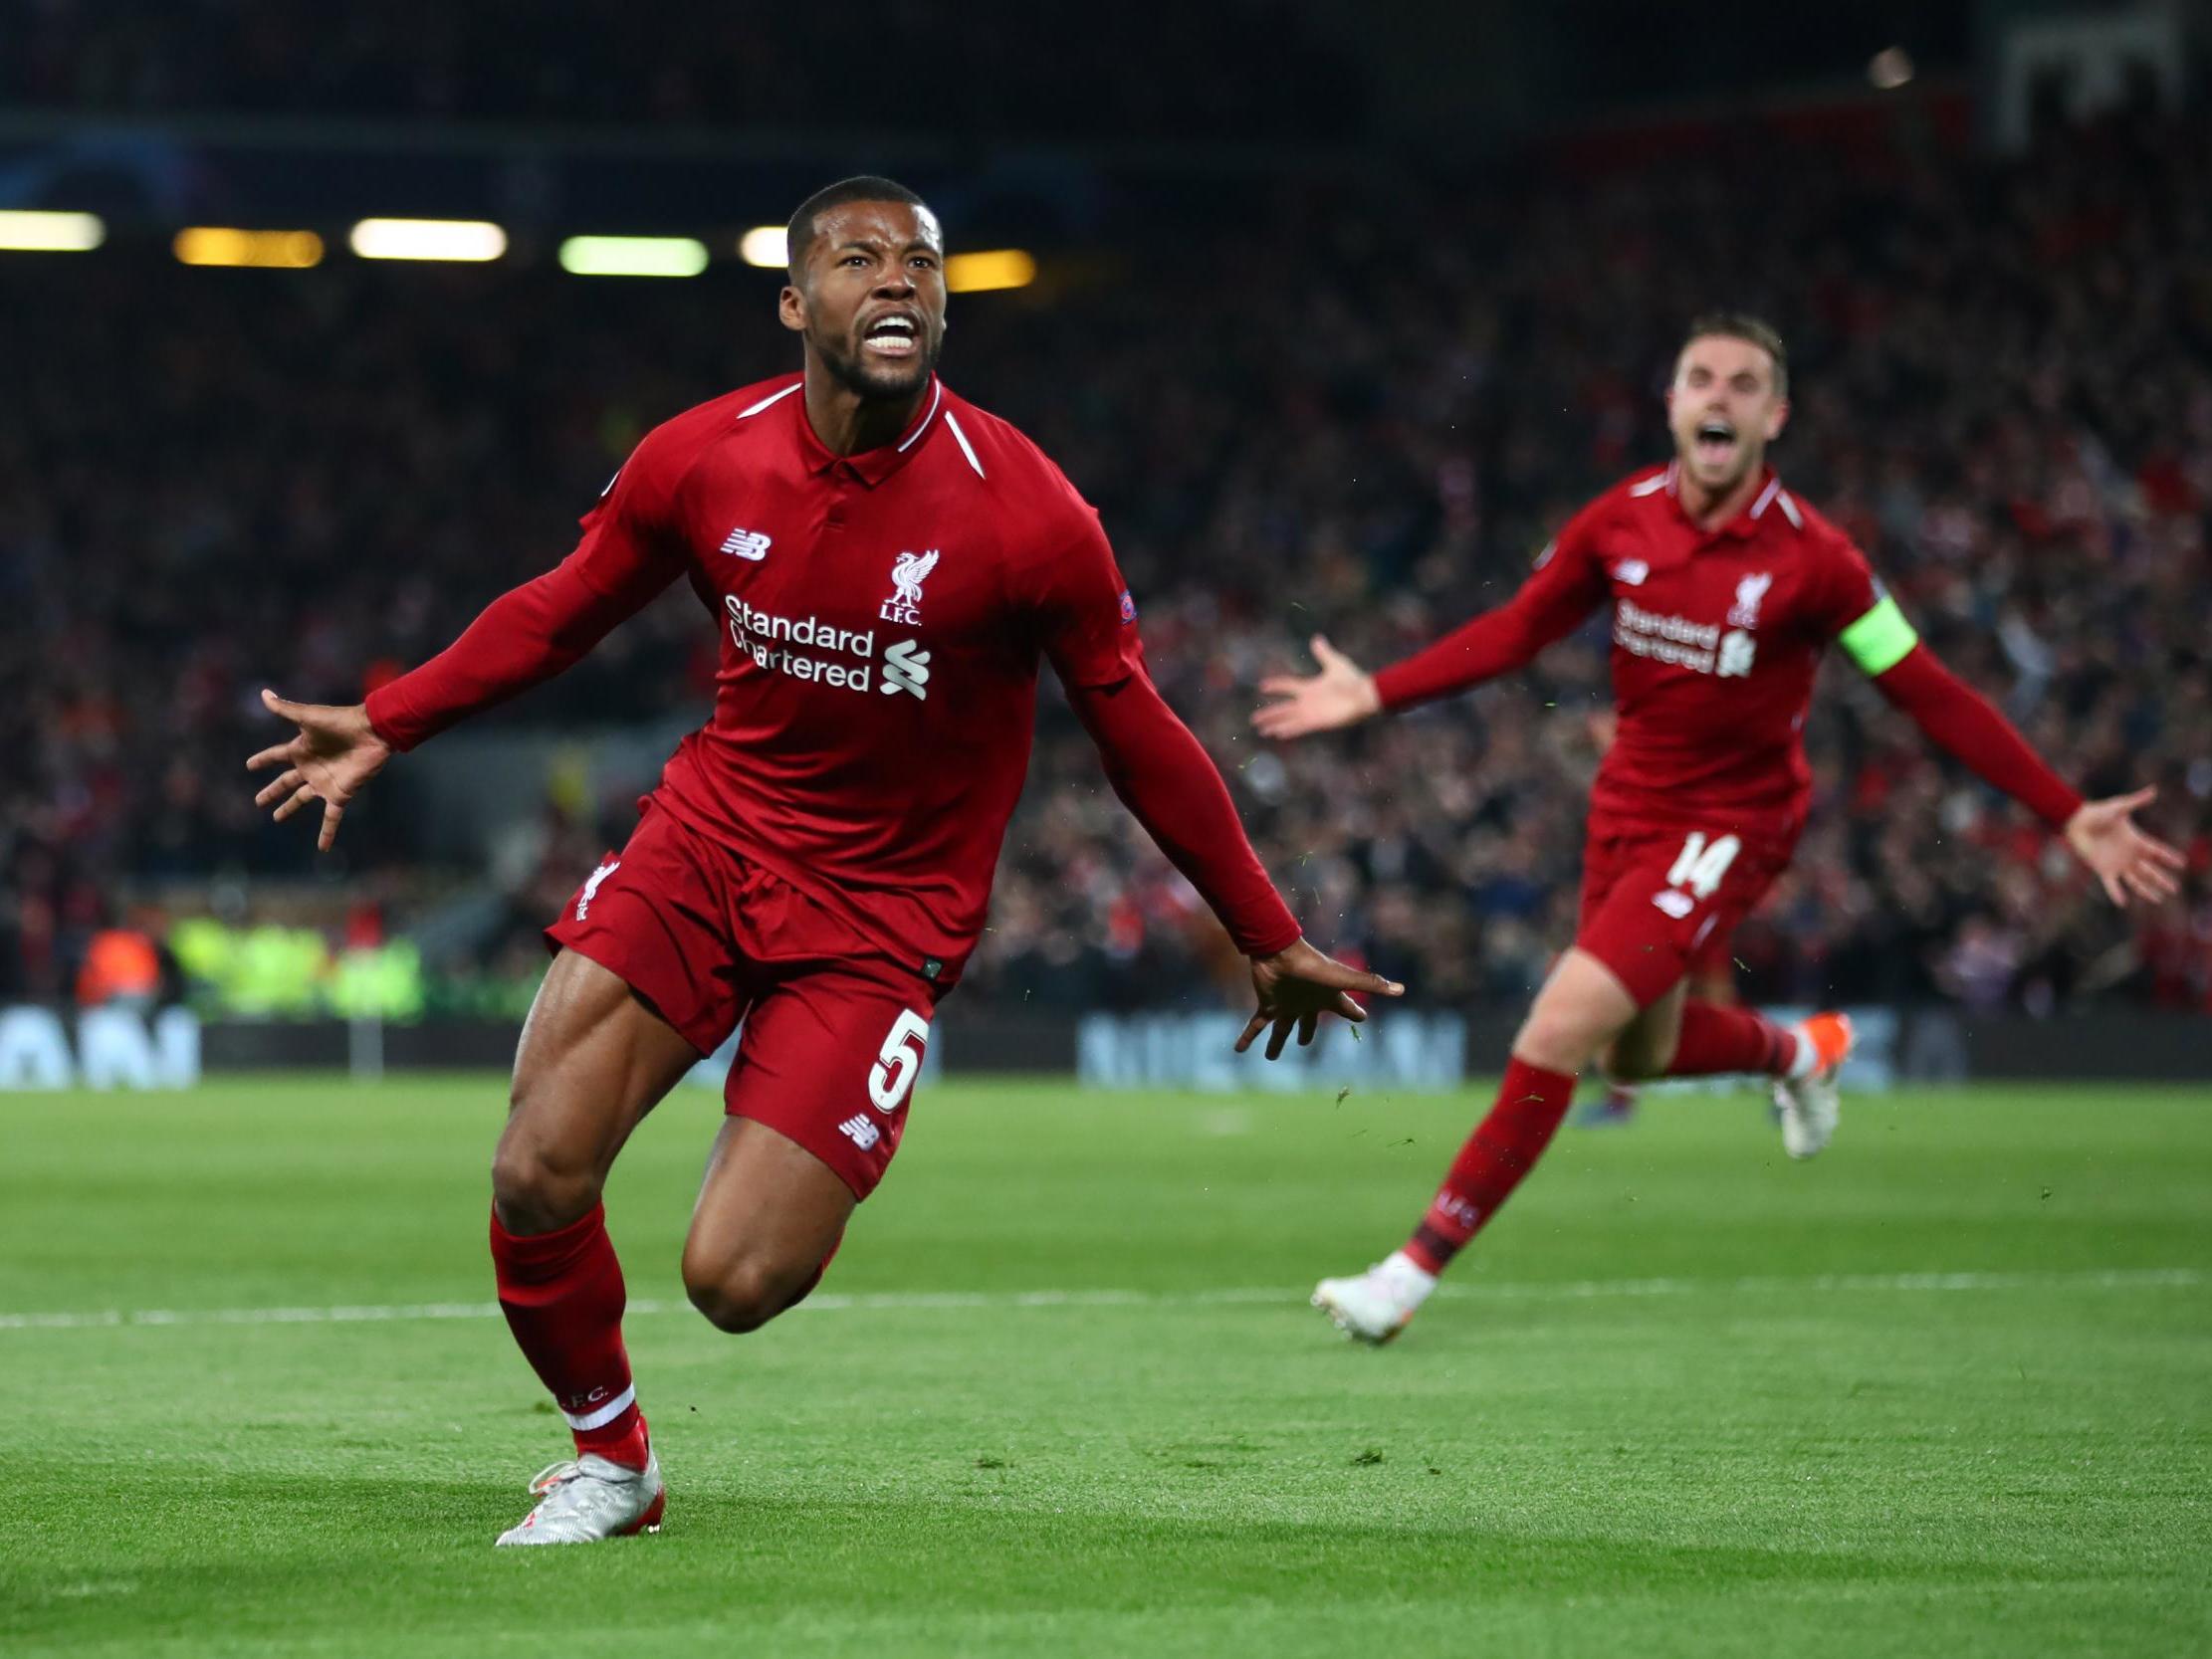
(1708, 976)
(883, 564)
(1725, 590)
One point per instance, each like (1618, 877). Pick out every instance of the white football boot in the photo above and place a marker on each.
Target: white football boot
(589, 1498)
(1375, 1306)
(1808, 1101)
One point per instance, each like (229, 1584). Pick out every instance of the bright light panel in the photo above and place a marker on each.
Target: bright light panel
(996, 268)
(765, 246)
(270, 250)
(469, 240)
(1890, 68)
(633, 255)
(51, 233)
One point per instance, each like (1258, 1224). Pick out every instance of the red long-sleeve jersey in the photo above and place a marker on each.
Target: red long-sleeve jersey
(1717, 636)
(881, 618)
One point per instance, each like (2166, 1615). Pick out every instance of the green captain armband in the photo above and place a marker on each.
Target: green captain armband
(1879, 641)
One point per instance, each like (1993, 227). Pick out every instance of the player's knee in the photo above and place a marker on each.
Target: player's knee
(1555, 1042)
(535, 1193)
(1628, 1061)
(740, 1295)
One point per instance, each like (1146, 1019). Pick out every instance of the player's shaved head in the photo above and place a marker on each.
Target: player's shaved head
(863, 187)
(1742, 325)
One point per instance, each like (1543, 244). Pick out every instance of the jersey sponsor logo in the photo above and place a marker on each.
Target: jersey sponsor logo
(745, 544)
(1630, 572)
(769, 641)
(906, 668)
(861, 1131)
(908, 572)
(1738, 652)
(1665, 639)
(591, 886)
(1744, 613)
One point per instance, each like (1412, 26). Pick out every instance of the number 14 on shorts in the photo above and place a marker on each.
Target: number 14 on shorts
(1697, 872)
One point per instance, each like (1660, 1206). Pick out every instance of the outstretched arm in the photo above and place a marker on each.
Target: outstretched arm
(1861, 617)
(1562, 590)
(522, 638)
(1168, 781)
(1963, 723)
(526, 635)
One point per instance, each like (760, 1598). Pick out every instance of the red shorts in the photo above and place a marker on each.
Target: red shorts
(1657, 902)
(834, 1030)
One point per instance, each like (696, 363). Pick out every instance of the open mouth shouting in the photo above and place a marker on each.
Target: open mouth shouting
(1716, 443)
(895, 335)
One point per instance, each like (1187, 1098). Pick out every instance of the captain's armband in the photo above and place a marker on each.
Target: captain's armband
(1879, 641)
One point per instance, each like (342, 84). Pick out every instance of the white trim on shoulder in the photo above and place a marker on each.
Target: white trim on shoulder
(1789, 510)
(965, 447)
(937, 397)
(1650, 487)
(629, 1396)
(1773, 488)
(773, 397)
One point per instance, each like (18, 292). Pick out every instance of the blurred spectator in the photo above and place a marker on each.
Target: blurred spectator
(1240, 69)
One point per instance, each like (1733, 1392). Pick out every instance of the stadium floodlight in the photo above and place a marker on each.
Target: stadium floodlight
(994, 269)
(470, 240)
(765, 246)
(633, 255)
(268, 250)
(28, 231)
(1890, 68)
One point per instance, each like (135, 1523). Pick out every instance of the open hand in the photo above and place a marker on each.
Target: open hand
(1297, 987)
(335, 753)
(1342, 693)
(2103, 836)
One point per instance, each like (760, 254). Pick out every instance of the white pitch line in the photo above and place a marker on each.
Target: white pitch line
(1576, 1290)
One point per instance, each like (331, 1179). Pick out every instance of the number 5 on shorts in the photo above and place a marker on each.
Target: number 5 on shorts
(1700, 868)
(892, 1079)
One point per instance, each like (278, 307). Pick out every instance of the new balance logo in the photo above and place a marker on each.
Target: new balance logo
(591, 886)
(746, 544)
(1674, 904)
(862, 1131)
(906, 668)
(1630, 572)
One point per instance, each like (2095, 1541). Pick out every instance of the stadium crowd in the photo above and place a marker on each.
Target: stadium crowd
(1245, 69)
(1360, 412)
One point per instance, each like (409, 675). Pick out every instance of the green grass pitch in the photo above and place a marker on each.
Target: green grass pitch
(1945, 1390)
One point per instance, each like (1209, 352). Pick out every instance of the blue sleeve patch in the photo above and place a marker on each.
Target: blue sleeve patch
(1128, 607)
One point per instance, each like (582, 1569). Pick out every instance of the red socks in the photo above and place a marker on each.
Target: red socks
(1717, 1040)
(563, 1298)
(1503, 1148)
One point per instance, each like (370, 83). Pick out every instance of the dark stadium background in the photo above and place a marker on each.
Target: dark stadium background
(1338, 311)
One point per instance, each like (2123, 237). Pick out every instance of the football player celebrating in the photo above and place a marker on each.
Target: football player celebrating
(883, 564)
(1724, 590)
